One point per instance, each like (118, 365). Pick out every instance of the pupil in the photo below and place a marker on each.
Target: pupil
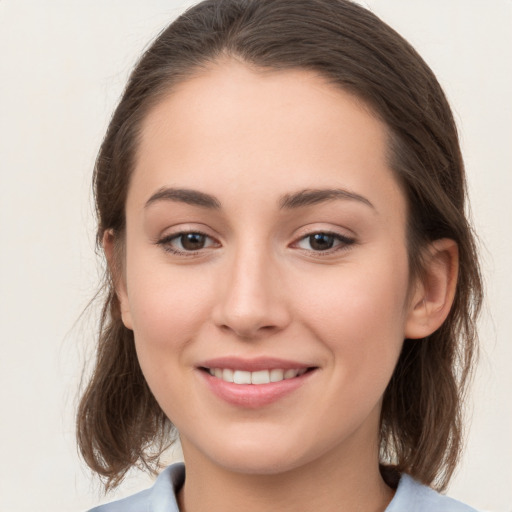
(321, 241)
(192, 241)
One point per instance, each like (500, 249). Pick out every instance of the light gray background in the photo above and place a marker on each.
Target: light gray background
(63, 64)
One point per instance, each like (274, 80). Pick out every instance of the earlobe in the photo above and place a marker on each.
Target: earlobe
(435, 289)
(113, 257)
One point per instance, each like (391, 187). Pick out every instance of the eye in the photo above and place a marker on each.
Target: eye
(324, 242)
(187, 242)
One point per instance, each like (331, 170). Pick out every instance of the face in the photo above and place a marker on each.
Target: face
(265, 273)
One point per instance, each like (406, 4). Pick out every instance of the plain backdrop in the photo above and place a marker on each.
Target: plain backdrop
(63, 64)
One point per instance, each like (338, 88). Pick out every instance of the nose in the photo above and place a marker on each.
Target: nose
(252, 302)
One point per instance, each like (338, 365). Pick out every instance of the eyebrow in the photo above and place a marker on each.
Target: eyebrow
(184, 195)
(306, 197)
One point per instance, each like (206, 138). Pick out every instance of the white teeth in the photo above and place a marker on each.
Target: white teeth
(261, 377)
(276, 375)
(241, 377)
(227, 375)
(258, 377)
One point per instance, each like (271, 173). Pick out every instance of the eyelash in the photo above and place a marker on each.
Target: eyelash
(167, 240)
(344, 243)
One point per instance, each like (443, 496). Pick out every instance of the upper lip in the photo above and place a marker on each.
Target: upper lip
(254, 364)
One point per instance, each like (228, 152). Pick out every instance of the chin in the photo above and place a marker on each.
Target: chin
(261, 462)
(252, 457)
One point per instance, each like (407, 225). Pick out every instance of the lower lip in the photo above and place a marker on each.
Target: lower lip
(253, 396)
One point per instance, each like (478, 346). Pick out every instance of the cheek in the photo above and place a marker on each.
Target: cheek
(168, 310)
(168, 306)
(358, 312)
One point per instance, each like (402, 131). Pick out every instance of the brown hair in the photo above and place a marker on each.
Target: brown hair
(119, 421)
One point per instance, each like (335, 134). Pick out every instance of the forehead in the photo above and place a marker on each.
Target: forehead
(234, 128)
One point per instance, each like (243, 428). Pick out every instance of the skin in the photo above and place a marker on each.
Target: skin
(258, 287)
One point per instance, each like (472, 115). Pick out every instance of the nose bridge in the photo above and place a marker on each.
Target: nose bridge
(252, 302)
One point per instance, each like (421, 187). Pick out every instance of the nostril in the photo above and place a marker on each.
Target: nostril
(251, 331)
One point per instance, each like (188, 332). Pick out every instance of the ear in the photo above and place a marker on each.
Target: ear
(434, 290)
(115, 265)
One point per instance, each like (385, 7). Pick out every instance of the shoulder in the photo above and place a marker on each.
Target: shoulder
(411, 495)
(161, 496)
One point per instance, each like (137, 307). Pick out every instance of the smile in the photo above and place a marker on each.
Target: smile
(256, 377)
(256, 382)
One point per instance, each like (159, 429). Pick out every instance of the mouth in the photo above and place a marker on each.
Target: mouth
(254, 383)
(257, 378)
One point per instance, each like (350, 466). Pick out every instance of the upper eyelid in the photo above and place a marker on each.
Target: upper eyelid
(176, 234)
(177, 230)
(325, 227)
(324, 232)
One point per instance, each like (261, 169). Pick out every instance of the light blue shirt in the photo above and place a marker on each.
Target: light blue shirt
(410, 496)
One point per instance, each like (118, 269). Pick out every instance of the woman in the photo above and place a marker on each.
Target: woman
(293, 282)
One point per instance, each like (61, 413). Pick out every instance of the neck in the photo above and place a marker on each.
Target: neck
(325, 485)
